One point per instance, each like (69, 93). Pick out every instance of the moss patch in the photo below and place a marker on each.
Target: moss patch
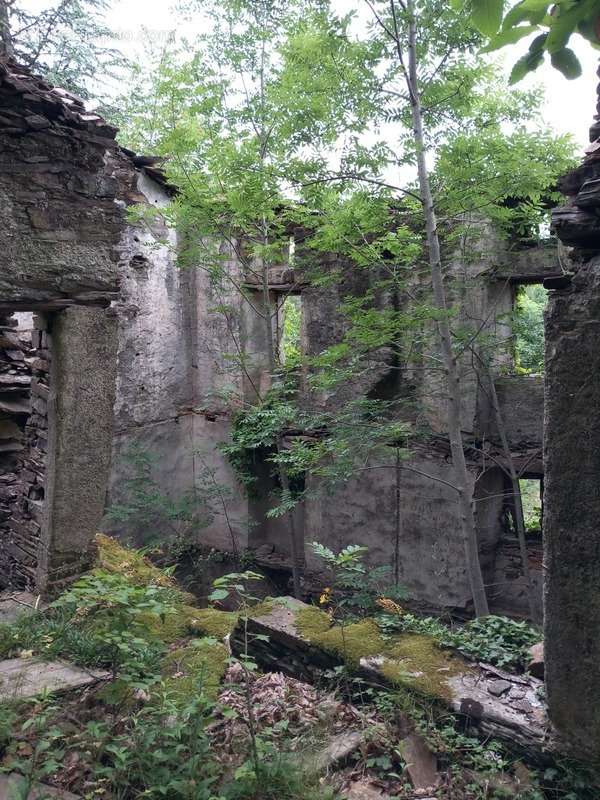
(113, 557)
(412, 661)
(212, 622)
(177, 625)
(139, 570)
(350, 642)
(415, 661)
(200, 665)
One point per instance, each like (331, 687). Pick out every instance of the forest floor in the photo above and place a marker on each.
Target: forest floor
(154, 704)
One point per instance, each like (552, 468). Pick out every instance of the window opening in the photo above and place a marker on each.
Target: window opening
(528, 328)
(290, 315)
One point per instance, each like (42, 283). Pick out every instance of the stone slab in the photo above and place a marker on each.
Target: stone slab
(27, 677)
(12, 787)
(421, 763)
(16, 604)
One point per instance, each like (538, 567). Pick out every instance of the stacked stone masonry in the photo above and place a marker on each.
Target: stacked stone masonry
(15, 380)
(25, 523)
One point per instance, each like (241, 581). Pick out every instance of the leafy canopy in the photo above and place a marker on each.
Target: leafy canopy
(555, 22)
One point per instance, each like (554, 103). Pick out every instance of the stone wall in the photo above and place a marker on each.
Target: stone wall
(64, 188)
(25, 524)
(15, 380)
(572, 460)
(176, 391)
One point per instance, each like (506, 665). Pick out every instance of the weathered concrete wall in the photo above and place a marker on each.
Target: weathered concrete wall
(572, 507)
(173, 379)
(80, 423)
(521, 400)
(430, 545)
(508, 593)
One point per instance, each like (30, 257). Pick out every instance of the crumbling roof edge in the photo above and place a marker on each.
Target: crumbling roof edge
(56, 105)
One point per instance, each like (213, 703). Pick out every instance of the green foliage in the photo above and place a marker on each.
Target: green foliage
(280, 779)
(290, 339)
(555, 20)
(357, 587)
(52, 634)
(64, 41)
(116, 613)
(500, 641)
(528, 328)
(532, 503)
(153, 758)
(496, 640)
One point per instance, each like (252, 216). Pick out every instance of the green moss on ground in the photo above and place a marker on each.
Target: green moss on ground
(113, 557)
(212, 622)
(201, 664)
(177, 625)
(412, 661)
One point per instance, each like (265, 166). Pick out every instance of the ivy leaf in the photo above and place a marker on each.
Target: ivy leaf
(218, 594)
(530, 61)
(510, 36)
(487, 15)
(566, 61)
(533, 11)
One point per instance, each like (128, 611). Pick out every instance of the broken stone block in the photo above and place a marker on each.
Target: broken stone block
(364, 790)
(16, 604)
(523, 724)
(14, 785)
(27, 677)
(536, 660)
(421, 763)
(498, 688)
(339, 749)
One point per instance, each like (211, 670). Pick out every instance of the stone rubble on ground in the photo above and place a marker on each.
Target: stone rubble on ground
(27, 677)
(421, 763)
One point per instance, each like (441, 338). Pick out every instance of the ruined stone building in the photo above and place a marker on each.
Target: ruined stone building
(125, 349)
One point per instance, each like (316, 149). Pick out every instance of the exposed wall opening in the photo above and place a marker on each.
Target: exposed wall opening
(290, 330)
(532, 499)
(528, 328)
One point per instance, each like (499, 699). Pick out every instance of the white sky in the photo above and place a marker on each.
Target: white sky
(569, 107)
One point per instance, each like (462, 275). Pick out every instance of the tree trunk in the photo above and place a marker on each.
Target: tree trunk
(6, 42)
(516, 491)
(397, 526)
(297, 556)
(467, 517)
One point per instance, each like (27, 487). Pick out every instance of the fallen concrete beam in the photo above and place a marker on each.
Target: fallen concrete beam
(496, 703)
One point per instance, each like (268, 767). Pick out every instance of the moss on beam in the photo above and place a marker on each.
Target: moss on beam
(409, 661)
